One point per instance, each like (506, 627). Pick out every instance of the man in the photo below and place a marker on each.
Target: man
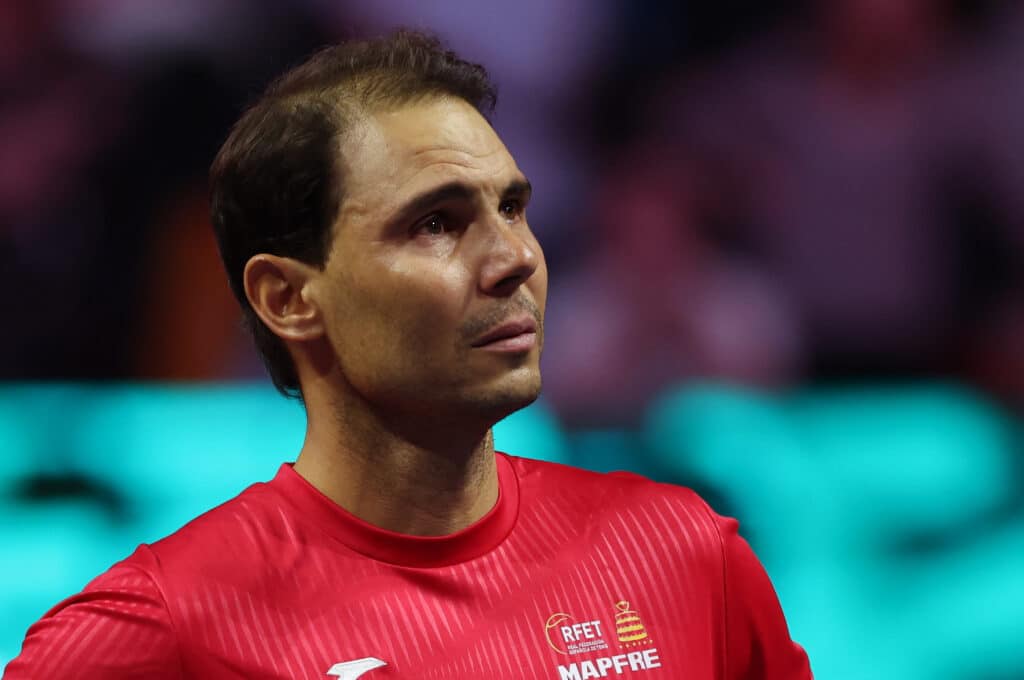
(373, 227)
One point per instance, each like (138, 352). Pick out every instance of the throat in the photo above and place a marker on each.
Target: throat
(404, 488)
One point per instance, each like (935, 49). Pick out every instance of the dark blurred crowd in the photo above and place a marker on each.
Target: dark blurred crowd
(792, 193)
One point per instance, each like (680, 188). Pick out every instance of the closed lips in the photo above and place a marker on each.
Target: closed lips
(508, 329)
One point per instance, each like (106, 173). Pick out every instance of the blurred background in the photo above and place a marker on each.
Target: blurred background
(785, 241)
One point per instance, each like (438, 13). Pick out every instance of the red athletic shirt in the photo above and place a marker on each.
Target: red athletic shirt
(572, 575)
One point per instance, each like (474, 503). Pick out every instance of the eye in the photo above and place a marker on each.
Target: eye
(510, 209)
(433, 225)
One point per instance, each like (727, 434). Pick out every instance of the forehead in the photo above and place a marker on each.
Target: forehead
(391, 155)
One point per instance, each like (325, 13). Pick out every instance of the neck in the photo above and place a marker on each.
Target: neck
(417, 478)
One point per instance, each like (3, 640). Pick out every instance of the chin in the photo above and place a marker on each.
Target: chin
(499, 401)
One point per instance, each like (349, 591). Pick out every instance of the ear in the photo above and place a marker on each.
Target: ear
(278, 288)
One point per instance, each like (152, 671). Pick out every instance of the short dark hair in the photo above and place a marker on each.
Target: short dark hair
(276, 184)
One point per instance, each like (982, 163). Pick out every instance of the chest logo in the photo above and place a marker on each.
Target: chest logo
(571, 636)
(566, 635)
(628, 626)
(350, 670)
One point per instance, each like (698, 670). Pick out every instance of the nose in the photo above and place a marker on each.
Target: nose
(511, 257)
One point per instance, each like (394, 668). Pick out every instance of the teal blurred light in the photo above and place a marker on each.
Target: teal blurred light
(875, 509)
(533, 432)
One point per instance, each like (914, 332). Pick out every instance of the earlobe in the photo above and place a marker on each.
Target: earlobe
(276, 288)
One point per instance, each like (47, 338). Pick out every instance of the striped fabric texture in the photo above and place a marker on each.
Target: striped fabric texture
(572, 575)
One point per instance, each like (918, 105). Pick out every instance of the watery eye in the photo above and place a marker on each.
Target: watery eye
(433, 225)
(510, 209)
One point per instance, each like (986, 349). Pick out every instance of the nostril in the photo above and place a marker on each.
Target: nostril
(508, 282)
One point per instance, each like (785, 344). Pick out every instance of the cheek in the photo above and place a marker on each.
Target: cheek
(538, 285)
(400, 315)
(430, 312)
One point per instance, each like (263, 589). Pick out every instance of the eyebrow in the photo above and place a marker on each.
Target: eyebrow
(460, 191)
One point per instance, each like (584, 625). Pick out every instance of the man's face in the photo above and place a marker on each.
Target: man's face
(431, 253)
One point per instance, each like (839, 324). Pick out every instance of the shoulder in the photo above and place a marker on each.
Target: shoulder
(619, 489)
(222, 540)
(117, 625)
(131, 617)
(532, 471)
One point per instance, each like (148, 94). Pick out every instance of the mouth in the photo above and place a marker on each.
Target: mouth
(515, 335)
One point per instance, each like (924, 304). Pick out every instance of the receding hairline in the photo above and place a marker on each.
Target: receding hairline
(351, 119)
(378, 89)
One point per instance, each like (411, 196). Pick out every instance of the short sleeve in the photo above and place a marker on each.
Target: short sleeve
(118, 627)
(757, 637)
